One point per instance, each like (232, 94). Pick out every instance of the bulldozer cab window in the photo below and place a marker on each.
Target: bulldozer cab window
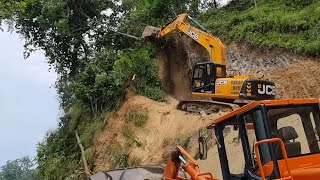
(298, 127)
(203, 78)
(232, 146)
(198, 77)
(253, 130)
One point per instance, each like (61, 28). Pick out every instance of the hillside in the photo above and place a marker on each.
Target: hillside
(132, 144)
(288, 24)
(295, 75)
(119, 92)
(167, 127)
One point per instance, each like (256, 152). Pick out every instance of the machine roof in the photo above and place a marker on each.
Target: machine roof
(266, 103)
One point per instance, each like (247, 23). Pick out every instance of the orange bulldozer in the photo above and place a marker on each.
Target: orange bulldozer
(286, 143)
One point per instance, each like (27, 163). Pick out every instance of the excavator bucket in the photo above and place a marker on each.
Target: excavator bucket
(150, 32)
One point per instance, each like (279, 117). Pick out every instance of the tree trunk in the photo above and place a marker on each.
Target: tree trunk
(84, 160)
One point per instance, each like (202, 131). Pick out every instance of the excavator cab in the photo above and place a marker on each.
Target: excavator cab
(276, 140)
(205, 75)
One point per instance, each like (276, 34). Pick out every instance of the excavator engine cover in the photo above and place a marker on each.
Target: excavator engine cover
(253, 89)
(150, 32)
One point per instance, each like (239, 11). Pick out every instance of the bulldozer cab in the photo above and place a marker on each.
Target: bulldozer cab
(205, 75)
(272, 140)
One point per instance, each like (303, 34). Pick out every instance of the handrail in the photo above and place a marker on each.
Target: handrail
(284, 153)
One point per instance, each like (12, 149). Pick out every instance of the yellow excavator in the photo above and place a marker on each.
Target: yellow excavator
(211, 79)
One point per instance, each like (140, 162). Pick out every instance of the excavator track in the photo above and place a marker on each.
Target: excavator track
(208, 107)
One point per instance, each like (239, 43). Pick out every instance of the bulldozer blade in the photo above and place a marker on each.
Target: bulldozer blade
(150, 32)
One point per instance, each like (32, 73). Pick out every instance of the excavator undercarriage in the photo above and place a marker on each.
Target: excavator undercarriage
(207, 107)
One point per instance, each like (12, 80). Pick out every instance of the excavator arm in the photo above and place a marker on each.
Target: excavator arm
(212, 44)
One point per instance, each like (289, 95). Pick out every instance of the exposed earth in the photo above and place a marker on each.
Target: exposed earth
(166, 127)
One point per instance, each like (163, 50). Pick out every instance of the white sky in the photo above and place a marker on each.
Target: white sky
(28, 100)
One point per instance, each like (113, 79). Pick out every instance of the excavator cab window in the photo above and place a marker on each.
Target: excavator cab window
(204, 76)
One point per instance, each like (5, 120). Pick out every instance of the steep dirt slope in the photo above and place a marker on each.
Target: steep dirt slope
(165, 128)
(300, 79)
(295, 77)
(175, 63)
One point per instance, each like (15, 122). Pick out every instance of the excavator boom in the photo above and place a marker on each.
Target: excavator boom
(213, 45)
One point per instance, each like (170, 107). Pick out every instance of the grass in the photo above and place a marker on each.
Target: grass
(139, 119)
(131, 138)
(90, 130)
(292, 25)
(118, 156)
(134, 161)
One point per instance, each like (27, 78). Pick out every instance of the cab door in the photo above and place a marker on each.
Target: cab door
(254, 128)
(203, 79)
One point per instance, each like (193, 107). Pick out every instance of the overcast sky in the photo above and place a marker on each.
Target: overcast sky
(28, 101)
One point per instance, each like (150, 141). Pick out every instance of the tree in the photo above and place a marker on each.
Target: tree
(19, 169)
(10, 7)
(95, 65)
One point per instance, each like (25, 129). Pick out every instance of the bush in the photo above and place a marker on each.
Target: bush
(90, 130)
(95, 86)
(139, 72)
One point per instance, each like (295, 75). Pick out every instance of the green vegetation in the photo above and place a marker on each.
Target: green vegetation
(118, 156)
(8, 7)
(138, 119)
(131, 138)
(95, 66)
(19, 169)
(292, 25)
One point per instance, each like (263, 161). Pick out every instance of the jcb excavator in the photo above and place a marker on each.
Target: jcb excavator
(285, 146)
(210, 79)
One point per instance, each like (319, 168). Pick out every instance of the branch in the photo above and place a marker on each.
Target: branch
(85, 163)
(125, 34)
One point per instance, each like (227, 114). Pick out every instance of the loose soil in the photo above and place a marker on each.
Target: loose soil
(295, 77)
